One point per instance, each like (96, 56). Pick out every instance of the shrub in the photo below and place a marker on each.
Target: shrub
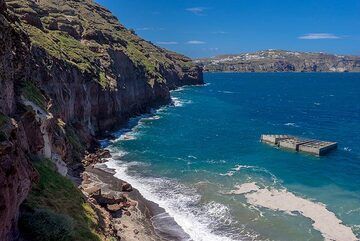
(58, 194)
(46, 225)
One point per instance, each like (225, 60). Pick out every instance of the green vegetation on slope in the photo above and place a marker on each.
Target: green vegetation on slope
(82, 33)
(63, 46)
(32, 93)
(55, 200)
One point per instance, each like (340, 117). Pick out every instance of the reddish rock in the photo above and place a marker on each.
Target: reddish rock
(32, 19)
(2, 5)
(104, 154)
(114, 207)
(93, 191)
(126, 187)
(16, 176)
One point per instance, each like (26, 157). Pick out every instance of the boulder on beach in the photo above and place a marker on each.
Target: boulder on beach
(126, 187)
(109, 198)
(115, 207)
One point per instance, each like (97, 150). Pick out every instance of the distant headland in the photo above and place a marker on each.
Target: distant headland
(281, 61)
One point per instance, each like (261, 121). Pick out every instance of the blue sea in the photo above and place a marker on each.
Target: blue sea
(197, 157)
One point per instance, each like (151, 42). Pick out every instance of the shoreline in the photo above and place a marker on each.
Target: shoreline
(147, 221)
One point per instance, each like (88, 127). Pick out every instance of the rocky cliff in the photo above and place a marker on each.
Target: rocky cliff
(70, 71)
(281, 61)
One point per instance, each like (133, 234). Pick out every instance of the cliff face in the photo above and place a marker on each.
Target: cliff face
(81, 48)
(16, 172)
(69, 71)
(281, 61)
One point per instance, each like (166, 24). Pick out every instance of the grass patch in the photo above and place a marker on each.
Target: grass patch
(138, 57)
(103, 80)
(32, 93)
(62, 46)
(56, 198)
(73, 139)
(47, 225)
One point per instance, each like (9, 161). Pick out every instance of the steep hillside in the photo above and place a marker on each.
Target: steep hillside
(281, 61)
(69, 71)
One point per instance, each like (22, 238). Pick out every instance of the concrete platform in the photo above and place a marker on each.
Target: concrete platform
(274, 139)
(319, 148)
(293, 143)
(310, 146)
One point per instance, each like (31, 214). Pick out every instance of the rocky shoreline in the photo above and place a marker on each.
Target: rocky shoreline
(126, 213)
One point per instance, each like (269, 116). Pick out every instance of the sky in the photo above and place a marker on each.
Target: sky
(204, 28)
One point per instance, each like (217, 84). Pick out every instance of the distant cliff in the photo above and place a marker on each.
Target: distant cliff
(281, 61)
(70, 71)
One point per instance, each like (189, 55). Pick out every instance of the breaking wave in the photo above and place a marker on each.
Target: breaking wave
(201, 221)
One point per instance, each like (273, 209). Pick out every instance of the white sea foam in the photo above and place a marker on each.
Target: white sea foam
(239, 167)
(232, 171)
(229, 173)
(357, 210)
(225, 92)
(291, 124)
(331, 228)
(178, 89)
(180, 202)
(119, 154)
(132, 131)
(177, 102)
(216, 161)
(254, 169)
(155, 117)
(347, 149)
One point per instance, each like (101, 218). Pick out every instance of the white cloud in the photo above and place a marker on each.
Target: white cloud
(219, 32)
(150, 29)
(144, 29)
(319, 36)
(168, 43)
(195, 42)
(196, 10)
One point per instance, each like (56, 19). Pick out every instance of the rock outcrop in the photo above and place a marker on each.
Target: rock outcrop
(281, 61)
(69, 71)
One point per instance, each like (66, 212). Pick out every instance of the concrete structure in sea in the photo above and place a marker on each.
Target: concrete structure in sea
(310, 146)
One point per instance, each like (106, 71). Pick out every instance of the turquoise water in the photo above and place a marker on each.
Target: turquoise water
(189, 156)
